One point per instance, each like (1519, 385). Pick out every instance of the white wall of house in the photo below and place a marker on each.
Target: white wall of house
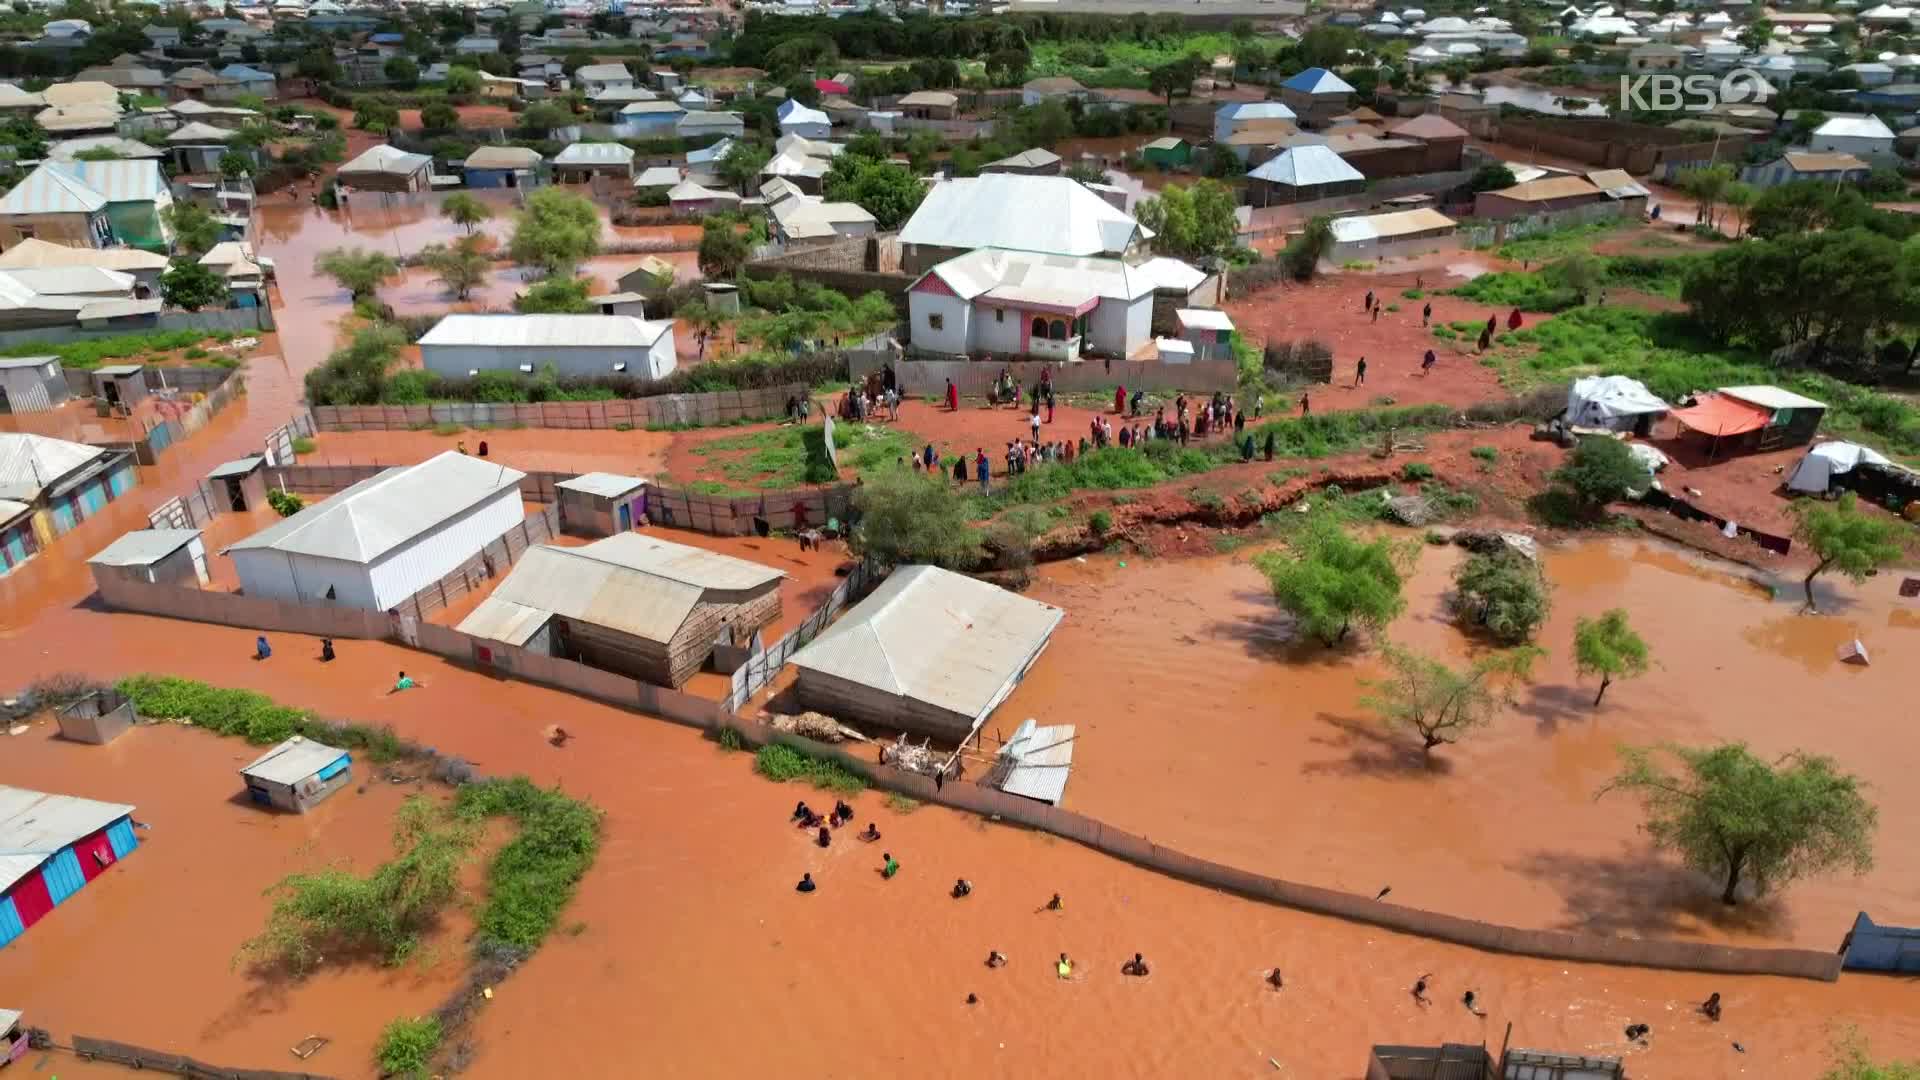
(303, 579)
(955, 315)
(662, 358)
(433, 555)
(1120, 327)
(1846, 144)
(997, 330)
(455, 361)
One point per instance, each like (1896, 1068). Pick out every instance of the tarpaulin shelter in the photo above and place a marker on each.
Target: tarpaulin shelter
(1816, 471)
(1614, 402)
(1720, 417)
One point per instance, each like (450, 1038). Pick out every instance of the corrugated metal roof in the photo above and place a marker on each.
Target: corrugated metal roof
(793, 114)
(1203, 319)
(237, 467)
(1061, 279)
(1034, 763)
(143, 547)
(72, 280)
(10, 509)
(1251, 111)
(85, 92)
(619, 94)
(1307, 166)
(595, 153)
(1170, 273)
(382, 512)
(1618, 184)
(34, 825)
(68, 149)
(1388, 226)
(31, 462)
(31, 253)
(26, 361)
(546, 331)
(658, 176)
(503, 157)
(77, 117)
(1771, 397)
(931, 98)
(603, 72)
(630, 582)
(1548, 187)
(50, 189)
(935, 636)
(1805, 162)
(1048, 214)
(1429, 126)
(688, 191)
(199, 132)
(120, 181)
(650, 108)
(1317, 81)
(292, 761)
(603, 484)
(388, 160)
(1855, 127)
(1035, 158)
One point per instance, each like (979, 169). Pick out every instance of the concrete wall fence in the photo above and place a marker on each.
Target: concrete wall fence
(928, 378)
(698, 410)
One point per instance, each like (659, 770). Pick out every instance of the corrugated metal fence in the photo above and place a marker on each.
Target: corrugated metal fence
(738, 515)
(761, 667)
(495, 559)
(666, 410)
(974, 378)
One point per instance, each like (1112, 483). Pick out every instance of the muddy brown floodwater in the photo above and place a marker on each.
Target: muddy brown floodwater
(1216, 731)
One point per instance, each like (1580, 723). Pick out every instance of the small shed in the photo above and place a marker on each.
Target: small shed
(153, 557)
(240, 484)
(99, 718)
(930, 652)
(1209, 330)
(630, 604)
(1170, 152)
(120, 384)
(503, 167)
(52, 846)
(1755, 418)
(297, 774)
(1035, 762)
(31, 383)
(386, 168)
(601, 504)
(1791, 418)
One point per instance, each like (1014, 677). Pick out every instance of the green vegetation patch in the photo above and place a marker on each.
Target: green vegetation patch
(407, 1046)
(788, 457)
(254, 717)
(782, 763)
(93, 352)
(534, 875)
(1557, 243)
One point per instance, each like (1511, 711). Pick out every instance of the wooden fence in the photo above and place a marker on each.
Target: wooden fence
(191, 510)
(734, 515)
(665, 410)
(279, 441)
(760, 668)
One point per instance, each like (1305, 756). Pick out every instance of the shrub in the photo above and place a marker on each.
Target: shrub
(407, 1047)
(285, 503)
(1599, 471)
(1488, 454)
(1504, 593)
(532, 877)
(303, 445)
(1099, 522)
(782, 763)
(1416, 470)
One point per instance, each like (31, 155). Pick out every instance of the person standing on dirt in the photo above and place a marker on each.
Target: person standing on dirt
(953, 397)
(1376, 313)
(1426, 365)
(1306, 406)
(1367, 304)
(1360, 372)
(1119, 399)
(960, 467)
(1426, 315)
(1239, 421)
(1034, 420)
(1513, 320)
(1269, 446)
(980, 466)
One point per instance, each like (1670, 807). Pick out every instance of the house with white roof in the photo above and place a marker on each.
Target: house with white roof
(385, 538)
(1872, 73)
(801, 220)
(1862, 136)
(387, 168)
(460, 346)
(62, 483)
(1238, 116)
(1302, 174)
(594, 79)
(1048, 215)
(808, 123)
(649, 118)
(688, 197)
(1022, 303)
(586, 160)
(92, 204)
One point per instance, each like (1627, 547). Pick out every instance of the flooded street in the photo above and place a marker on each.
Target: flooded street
(1216, 732)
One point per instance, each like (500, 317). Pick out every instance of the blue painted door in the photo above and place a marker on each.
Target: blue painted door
(63, 876)
(16, 549)
(10, 925)
(63, 516)
(626, 516)
(120, 836)
(120, 481)
(93, 498)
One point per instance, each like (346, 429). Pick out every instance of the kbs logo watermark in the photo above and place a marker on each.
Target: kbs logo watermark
(1693, 93)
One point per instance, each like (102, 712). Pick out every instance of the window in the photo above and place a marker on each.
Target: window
(999, 314)
(527, 368)
(620, 366)
(936, 322)
(1040, 328)
(1057, 330)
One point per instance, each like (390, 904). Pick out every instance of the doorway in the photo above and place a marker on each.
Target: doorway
(626, 516)
(236, 495)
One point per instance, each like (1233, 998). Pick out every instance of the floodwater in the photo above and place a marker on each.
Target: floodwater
(160, 930)
(689, 921)
(1216, 731)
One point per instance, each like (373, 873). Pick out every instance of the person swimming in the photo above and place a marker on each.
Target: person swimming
(1064, 967)
(1274, 980)
(825, 839)
(889, 865)
(1468, 1001)
(806, 883)
(800, 811)
(1054, 904)
(1711, 1007)
(996, 959)
(1420, 989)
(871, 834)
(1135, 966)
(962, 888)
(1639, 1032)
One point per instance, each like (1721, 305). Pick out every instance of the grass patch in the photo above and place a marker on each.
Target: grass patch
(729, 740)
(901, 804)
(1228, 543)
(1413, 294)
(1416, 470)
(1485, 454)
(254, 717)
(782, 763)
(1111, 469)
(534, 875)
(448, 429)
(93, 352)
(1099, 522)
(407, 1047)
(1556, 243)
(1325, 434)
(303, 445)
(1121, 62)
(788, 457)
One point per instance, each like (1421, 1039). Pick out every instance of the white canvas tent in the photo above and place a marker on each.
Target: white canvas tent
(1614, 402)
(1816, 471)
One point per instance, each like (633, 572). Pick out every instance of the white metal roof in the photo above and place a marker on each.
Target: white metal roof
(1056, 279)
(72, 280)
(595, 153)
(688, 191)
(383, 512)
(143, 547)
(199, 132)
(26, 361)
(503, 157)
(1855, 127)
(237, 467)
(1034, 763)
(794, 114)
(1249, 111)
(1387, 226)
(658, 176)
(1034, 158)
(603, 484)
(1771, 397)
(629, 582)
(1049, 214)
(387, 159)
(936, 636)
(292, 761)
(1203, 318)
(546, 331)
(29, 463)
(30, 253)
(1307, 166)
(603, 72)
(805, 216)
(34, 825)
(1317, 81)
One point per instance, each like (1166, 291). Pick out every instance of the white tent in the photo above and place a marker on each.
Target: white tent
(1614, 402)
(1816, 471)
(1649, 456)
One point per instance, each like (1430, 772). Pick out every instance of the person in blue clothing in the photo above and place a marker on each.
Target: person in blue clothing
(261, 650)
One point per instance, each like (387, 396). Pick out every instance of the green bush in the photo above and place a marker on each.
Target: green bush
(1503, 593)
(1416, 470)
(285, 503)
(93, 351)
(303, 445)
(532, 878)
(407, 1047)
(782, 763)
(1488, 454)
(1099, 522)
(253, 717)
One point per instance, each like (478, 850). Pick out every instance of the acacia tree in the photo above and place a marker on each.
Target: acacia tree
(1609, 648)
(1844, 538)
(1191, 222)
(464, 210)
(461, 267)
(358, 271)
(555, 231)
(556, 296)
(1597, 472)
(1328, 580)
(909, 517)
(1441, 704)
(1730, 814)
(190, 285)
(1504, 593)
(723, 251)
(194, 229)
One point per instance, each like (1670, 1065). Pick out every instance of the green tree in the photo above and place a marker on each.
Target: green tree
(359, 271)
(1852, 1063)
(555, 231)
(234, 165)
(462, 82)
(190, 286)
(1304, 252)
(318, 63)
(1175, 77)
(556, 296)
(740, 166)
(909, 517)
(194, 229)
(1581, 272)
(885, 190)
(723, 251)
(377, 117)
(1609, 648)
(461, 267)
(1708, 185)
(1756, 293)
(356, 373)
(402, 72)
(544, 116)
(1598, 471)
(1756, 35)
(465, 211)
(1732, 815)
(1504, 593)
(439, 116)
(1044, 124)
(1006, 67)
(1441, 704)
(1739, 198)
(1328, 580)
(1845, 538)
(1191, 222)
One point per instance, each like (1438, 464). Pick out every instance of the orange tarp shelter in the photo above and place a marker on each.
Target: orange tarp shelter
(1719, 415)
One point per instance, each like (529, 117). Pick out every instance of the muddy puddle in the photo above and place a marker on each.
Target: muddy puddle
(1216, 731)
(162, 927)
